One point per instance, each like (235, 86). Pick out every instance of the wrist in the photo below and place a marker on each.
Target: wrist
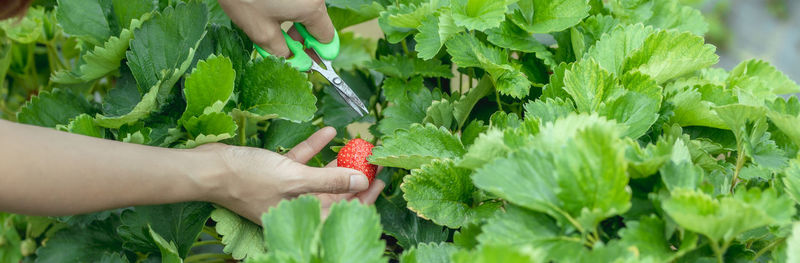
(207, 172)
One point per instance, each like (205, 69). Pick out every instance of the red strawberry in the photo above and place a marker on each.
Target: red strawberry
(354, 155)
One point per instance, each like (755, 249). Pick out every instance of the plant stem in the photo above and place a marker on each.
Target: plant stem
(242, 130)
(499, 103)
(211, 232)
(405, 46)
(768, 247)
(201, 257)
(206, 243)
(739, 165)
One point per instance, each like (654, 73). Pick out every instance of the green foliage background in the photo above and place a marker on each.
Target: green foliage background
(621, 142)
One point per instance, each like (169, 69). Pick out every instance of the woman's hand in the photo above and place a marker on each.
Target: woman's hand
(261, 20)
(257, 179)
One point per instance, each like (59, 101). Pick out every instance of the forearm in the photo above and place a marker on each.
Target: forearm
(46, 172)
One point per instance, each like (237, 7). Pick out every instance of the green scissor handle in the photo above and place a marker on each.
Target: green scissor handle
(300, 60)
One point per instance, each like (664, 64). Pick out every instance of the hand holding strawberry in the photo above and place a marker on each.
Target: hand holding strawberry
(354, 155)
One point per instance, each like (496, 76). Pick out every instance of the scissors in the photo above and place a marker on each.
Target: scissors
(326, 52)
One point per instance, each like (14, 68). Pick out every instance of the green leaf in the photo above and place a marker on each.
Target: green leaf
(286, 134)
(128, 11)
(464, 106)
(721, 220)
(479, 14)
(511, 36)
(647, 236)
(440, 114)
(669, 54)
(693, 108)
(793, 245)
(104, 59)
(761, 78)
(791, 180)
(549, 110)
(434, 32)
(611, 50)
(142, 109)
(273, 89)
(292, 227)
(443, 193)
(410, 100)
(49, 109)
(219, 125)
(208, 88)
(575, 169)
(429, 253)
(180, 223)
(86, 19)
(520, 227)
(419, 145)
(165, 43)
(169, 252)
(404, 67)
(635, 110)
(404, 225)
(468, 51)
(84, 125)
(394, 34)
(498, 253)
(589, 85)
(496, 143)
(355, 51)
(27, 30)
(671, 14)
(749, 126)
(241, 237)
(785, 115)
(471, 132)
(82, 244)
(345, 13)
(411, 15)
(545, 16)
(351, 233)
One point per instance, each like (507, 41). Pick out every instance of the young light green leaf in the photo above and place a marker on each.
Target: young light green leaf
(762, 79)
(208, 88)
(219, 125)
(479, 14)
(351, 233)
(443, 193)
(499, 253)
(611, 50)
(84, 125)
(429, 253)
(549, 110)
(589, 85)
(405, 67)
(721, 220)
(103, 59)
(142, 109)
(793, 245)
(434, 32)
(468, 51)
(410, 99)
(241, 237)
(669, 54)
(545, 16)
(440, 113)
(647, 236)
(169, 252)
(292, 228)
(791, 180)
(633, 109)
(545, 177)
(672, 14)
(511, 36)
(416, 146)
(273, 89)
(520, 227)
(355, 51)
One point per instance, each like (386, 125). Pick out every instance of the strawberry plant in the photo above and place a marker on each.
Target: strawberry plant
(510, 131)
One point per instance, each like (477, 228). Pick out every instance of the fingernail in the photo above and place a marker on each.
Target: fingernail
(358, 182)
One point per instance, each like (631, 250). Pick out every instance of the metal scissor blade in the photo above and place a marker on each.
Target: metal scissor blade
(344, 90)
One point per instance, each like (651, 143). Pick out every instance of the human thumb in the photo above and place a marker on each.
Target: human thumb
(334, 180)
